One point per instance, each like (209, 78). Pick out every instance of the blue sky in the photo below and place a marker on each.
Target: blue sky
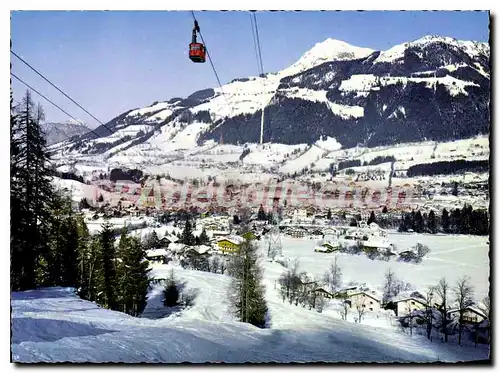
(113, 61)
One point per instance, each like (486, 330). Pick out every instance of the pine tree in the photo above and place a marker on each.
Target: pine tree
(133, 278)
(106, 274)
(445, 221)
(418, 222)
(455, 189)
(372, 219)
(384, 210)
(151, 241)
(247, 292)
(456, 220)
(187, 237)
(63, 244)
(261, 215)
(329, 214)
(171, 291)
(83, 258)
(31, 196)
(431, 222)
(204, 240)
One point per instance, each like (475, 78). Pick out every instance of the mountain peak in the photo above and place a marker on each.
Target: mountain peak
(327, 50)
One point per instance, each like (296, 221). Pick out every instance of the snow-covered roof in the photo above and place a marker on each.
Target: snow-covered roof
(237, 240)
(201, 249)
(369, 293)
(470, 308)
(409, 294)
(156, 252)
(176, 247)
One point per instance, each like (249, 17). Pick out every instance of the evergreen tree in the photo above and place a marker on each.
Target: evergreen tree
(445, 221)
(329, 214)
(371, 219)
(106, 274)
(63, 245)
(456, 220)
(247, 292)
(465, 219)
(384, 210)
(133, 279)
(83, 258)
(171, 291)
(187, 237)
(204, 240)
(31, 196)
(418, 222)
(455, 189)
(431, 222)
(151, 241)
(261, 215)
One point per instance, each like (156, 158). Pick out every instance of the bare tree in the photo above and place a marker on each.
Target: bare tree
(442, 290)
(410, 317)
(486, 308)
(360, 305)
(463, 296)
(345, 308)
(320, 303)
(214, 264)
(428, 315)
(390, 282)
(333, 276)
(223, 265)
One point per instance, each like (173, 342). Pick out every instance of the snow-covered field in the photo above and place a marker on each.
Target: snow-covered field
(451, 256)
(53, 325)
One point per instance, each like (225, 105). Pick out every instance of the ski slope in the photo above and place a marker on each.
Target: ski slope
(54, 325)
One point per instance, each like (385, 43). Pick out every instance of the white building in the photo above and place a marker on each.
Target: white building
(370, 300)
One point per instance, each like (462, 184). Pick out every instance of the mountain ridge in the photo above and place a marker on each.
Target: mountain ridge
(432, 88)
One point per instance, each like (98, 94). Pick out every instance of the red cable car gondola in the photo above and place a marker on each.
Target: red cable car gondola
(197, 50)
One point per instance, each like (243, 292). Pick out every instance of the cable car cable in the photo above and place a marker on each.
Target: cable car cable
(40, 94)
(217, 77)
(56, 87)
(258, 43)
(121, 141)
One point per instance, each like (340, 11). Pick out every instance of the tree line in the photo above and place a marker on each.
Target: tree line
(448, 167)
(457, 221)
(50, 245)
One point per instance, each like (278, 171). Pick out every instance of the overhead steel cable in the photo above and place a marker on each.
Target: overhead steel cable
(43, 96)
(258, 43)
(121, 141)
(218, 79)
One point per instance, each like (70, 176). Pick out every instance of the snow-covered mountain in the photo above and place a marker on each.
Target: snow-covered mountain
(431, 89)
(57, 132)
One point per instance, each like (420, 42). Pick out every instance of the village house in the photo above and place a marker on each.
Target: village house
(472, 315)
(322, 292)
(366, 299)
(230, 244)
(404, 306)
(157, 255)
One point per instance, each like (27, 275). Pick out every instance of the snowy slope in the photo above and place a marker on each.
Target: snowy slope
(53, 325)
